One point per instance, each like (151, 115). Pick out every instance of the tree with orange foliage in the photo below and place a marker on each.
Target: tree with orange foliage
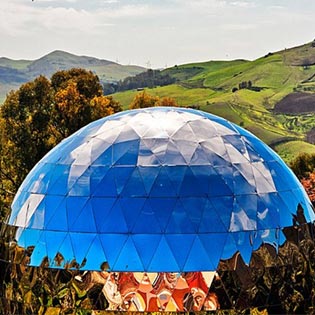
(143, 100)
(309, 186)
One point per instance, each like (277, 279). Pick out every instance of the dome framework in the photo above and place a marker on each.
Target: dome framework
(165, 203)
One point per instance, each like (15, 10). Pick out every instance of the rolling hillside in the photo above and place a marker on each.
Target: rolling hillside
(15, 72)
(246, 92)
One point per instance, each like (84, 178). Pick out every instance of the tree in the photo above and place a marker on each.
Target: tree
(309, 186)
(303, 165)
(41, 113)
(143, 100)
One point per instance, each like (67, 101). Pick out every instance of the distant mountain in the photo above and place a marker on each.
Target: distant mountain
(15, 72)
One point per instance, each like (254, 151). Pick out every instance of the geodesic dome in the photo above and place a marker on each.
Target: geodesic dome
(157, 190)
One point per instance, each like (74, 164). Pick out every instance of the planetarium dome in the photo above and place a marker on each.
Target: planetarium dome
(160, 191)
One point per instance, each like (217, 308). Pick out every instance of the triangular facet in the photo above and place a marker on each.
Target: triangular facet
(210, 220)
(134, 187)
(146, 221)
(85, 221)
(163, 259)
(162, 185)
(128, 259)
(163, 207)
(198, 258)
(214, 244)
(179, 221)
(101, 208)
(74, 207)
(115, 222)
(146, 245)
(95, 256)
(81, 243)
(112, 245)
(180, 245)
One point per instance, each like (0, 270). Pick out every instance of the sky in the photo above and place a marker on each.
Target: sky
(153, 33)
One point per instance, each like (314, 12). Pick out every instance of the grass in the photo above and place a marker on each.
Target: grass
(289, 150)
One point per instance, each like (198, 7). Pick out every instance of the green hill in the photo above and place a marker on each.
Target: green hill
(246, 93)
(15, 72)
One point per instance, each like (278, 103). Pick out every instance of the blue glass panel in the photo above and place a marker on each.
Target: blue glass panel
(129, 259)
(98, 146)
(254, 156)
(146, 245)
(282, 237)
(66, 250)
(223, 207)
(122, 174)
(115, 222)
(28, 237)
(101, 208)
(148, 175)
(74, 207)
(243, 244)
(180, 245)
(199, 157)
(230, 247)
(79, 184)
(202, 175)
(53, 242)
(227, 175)
(134, 187)
(120, 149)
(130, 157)
(107, 186)
(198, 258)
(211, 221)
(242, 184)
(18, 202)
(59, 180)
(40, 179)
(146, 221)
(190, 185)
(163, 259)
(163, 208)
(173, 156)
(131, 208)
(112, 245)
(213, 244)
(97, 174)
(95, 256)
(105, 159)
(283, 177)
(53, 205)
(39, 253)
(85, 221)
(179, 221)
(270, 237)
(245, 210)
(58, 221)
(285, 213)
(176, 175)
(268, 215)
(162, 186)
(220, 185)
(146, 157)
(237, 142)
(194, 208)
(81, 243)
